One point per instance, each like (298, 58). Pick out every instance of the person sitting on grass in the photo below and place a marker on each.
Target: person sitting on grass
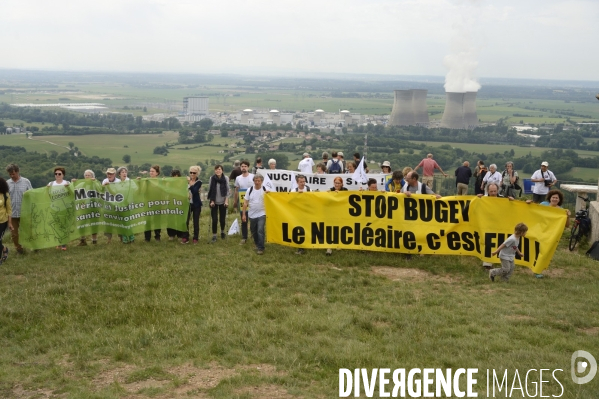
(506, 252)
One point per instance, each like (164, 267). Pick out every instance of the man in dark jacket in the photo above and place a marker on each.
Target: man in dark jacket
(462, 178)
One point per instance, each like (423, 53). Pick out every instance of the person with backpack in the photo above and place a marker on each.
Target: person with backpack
(334, 165)
(256, 214)
(5, 217)
(509, 180)
(413, 186)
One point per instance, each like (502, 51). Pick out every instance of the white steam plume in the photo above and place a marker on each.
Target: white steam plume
(462, 60)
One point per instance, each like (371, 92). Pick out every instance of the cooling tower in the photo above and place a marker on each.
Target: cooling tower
(470, 110)
(453, 116)
(419, 107)
(403, 112)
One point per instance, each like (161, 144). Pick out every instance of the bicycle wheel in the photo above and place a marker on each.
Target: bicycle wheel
(574, 235)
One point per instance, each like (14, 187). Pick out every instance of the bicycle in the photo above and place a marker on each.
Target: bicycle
(582, 225)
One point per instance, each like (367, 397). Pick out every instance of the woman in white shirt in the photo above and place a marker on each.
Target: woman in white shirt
(492, 176)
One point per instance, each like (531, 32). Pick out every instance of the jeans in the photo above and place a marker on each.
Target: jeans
(244, 226)
(257, 228)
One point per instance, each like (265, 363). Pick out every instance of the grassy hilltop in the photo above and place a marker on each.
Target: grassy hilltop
(166, 320)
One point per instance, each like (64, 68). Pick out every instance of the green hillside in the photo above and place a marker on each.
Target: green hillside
(167, 320)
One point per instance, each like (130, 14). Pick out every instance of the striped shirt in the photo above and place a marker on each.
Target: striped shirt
(16, 190)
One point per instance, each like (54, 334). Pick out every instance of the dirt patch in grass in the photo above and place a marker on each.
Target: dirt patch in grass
(405, 274)
(19, 392)
(265, 391)
(180, 381)
(554, 273)
(590, 331)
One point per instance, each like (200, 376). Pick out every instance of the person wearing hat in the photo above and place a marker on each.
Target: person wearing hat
(110, 177)
(272, 163)
(543, 179)
(306, 164)
(386, 167)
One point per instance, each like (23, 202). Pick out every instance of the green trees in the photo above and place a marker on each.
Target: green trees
(127, 158)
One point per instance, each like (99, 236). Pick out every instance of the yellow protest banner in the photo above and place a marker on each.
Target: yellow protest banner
(419, 224)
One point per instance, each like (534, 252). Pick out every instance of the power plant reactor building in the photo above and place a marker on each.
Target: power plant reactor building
(195, 108)
(460, 111)
(409, 108)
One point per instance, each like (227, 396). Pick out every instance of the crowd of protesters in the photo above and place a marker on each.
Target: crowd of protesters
(486, 182)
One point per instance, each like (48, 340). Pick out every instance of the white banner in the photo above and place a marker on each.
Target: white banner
(282, 180)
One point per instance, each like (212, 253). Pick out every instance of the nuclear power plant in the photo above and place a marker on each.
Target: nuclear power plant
(409, 108)
(460, 111)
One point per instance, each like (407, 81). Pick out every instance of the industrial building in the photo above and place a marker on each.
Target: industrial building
(409, 108)
(460, 111)
(195, 108)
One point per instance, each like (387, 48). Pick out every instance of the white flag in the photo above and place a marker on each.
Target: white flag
(267, 182)
(293, 182)
(359, 176)
(234, 228)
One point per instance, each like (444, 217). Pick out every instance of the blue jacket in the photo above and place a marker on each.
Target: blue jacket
(195, 194)
(390, 185)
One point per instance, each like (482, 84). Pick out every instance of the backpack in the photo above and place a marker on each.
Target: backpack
(251, 188)
(509, 191)
(335, 166)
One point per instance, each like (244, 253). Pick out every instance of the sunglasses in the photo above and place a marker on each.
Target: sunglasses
(58, 174)
(192, 173)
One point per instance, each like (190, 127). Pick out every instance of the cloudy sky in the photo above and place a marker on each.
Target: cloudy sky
(549, 39)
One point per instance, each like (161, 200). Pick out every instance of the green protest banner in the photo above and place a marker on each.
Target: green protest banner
(55, 215)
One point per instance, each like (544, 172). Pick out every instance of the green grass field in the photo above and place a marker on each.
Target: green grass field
(163, 320)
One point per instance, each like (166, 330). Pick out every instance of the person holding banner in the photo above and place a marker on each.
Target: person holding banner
(395, 183)
(337, 186)
(154, 173)
(272, 164)
(110, 179)
(351, 167)
(386, 167)
(218, 195)
(413, 186)
(5, 217)
(301, 184)
(122, 173)
(88, 174)
(254, 200)
(321, 169)
(242, 183)
(59, 174)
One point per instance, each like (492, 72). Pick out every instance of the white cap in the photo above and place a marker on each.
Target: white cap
(545, 163)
